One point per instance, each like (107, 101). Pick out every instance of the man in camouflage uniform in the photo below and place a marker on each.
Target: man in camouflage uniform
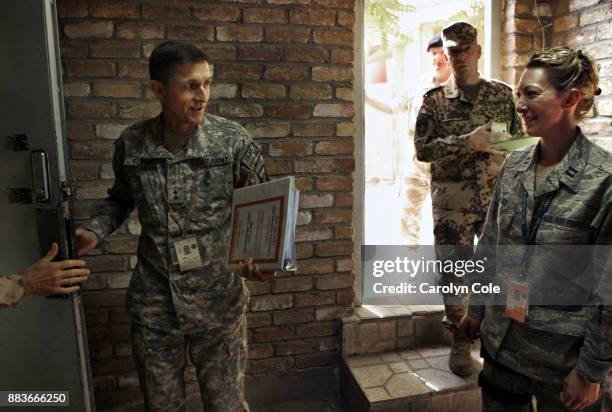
(415, 174)
(452, 134)
(179, 170)
(44, 277)
(567, 329)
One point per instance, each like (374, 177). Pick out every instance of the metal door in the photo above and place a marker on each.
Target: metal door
(43, 345)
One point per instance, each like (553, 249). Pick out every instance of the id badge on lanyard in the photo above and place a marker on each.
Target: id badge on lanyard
(188, 254)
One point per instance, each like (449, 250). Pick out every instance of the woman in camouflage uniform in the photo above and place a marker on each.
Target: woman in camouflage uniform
(554, 194)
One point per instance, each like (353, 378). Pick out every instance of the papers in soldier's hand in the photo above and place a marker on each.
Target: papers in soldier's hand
(263, 225)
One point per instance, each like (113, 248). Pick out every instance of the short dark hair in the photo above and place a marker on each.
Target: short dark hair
(166, 56)
(435, 41)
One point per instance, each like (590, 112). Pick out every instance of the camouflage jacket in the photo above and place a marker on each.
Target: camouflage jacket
(462, 178)
(11, 290)
(188, 192)
(569, 270)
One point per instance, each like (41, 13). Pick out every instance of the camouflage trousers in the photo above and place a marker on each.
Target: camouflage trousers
(454, 233)
(220, 362)
(504, 390)
(414, 189)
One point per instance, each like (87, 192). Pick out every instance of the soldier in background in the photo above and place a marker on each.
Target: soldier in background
(179, 170)
(415, 174)
(453, 134)
(43, 277)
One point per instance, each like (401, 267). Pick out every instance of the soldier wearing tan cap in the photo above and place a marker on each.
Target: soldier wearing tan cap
(453, 134)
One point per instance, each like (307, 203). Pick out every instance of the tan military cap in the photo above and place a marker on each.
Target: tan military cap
(457, 33)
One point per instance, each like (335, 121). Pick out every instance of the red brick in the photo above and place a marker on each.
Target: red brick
(287, 34)
(273, 333)
(295, 347)
(316, 200)
(240, 110)
(286, 73)
(292, 283)
(256, 320)
(333, 37)
(563, 23)
(342, 4)
(288, 1)
(121, 244)
(334, 248)
(295, 316)
(345, 129)
(346, 19)
(72, 8)
(336, 281)
(313, 17)
(308, 234)
(260, 351)
(313, 360)
(258, 53)
(258, 288)
(115, 48)
(519, 25)
(73, 50)
(266, 129)
(100, 316)
(341, 56)
(344, 232)
(279, 167)
(110, 130)
(114, 9)
(291, 149)
(238, 71)
(344, 200)
(114, 365)
(345, 297)
(303, 184)
(91, 109)
(84, 171)
(333, 216)
(334, 183)
(270, 366)
(313, 129)
(332, 74)
(76, 89)
(79, 131)
(242, 34)
(325, 166)
(220, 53)
(117, 89)
(318, 298)
(289, 111)
(86, 29)
(334, 147)
(304, 217)
(329, 313)
(602, 13)
(103, 298)
(162, 12)
(313, 266)
(303, 250)
(140, 30)
(262, 15)
(211, 12)
(307, 54)
(310, 91)
(120, 280)
(191, 32)
(139, 109)
(89, 68)
(263, 91)
(133, 69)
(515, 42)
(271, 302)
(93, 191)
(316, 329)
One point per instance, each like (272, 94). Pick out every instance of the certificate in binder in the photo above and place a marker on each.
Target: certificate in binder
(263, 225)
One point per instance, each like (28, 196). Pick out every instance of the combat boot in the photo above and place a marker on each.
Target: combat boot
(460, 360)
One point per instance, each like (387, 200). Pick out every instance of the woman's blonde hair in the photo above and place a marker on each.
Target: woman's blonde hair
(570, 69)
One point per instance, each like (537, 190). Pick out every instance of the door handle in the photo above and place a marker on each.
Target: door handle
(40, 176)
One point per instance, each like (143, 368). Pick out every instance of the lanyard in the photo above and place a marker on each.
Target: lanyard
(529, 236)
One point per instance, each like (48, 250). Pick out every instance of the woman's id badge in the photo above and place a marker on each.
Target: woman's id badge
(187, 254)
(517, 301)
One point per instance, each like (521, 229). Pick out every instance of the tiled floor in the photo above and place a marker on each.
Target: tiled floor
(408, 374)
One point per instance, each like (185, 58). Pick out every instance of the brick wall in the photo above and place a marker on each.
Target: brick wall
(283, 68)
(581, 24)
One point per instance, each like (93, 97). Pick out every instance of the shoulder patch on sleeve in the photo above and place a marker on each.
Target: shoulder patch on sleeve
(422, 124)
(251, 155)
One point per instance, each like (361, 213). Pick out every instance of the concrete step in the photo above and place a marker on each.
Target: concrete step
(373, 329)
(416, 380)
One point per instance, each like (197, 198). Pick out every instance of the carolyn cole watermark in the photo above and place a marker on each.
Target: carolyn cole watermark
(409, 275)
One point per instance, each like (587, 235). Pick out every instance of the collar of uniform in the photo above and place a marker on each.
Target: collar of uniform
(153, 147)
(452, 90)
(568, 171)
